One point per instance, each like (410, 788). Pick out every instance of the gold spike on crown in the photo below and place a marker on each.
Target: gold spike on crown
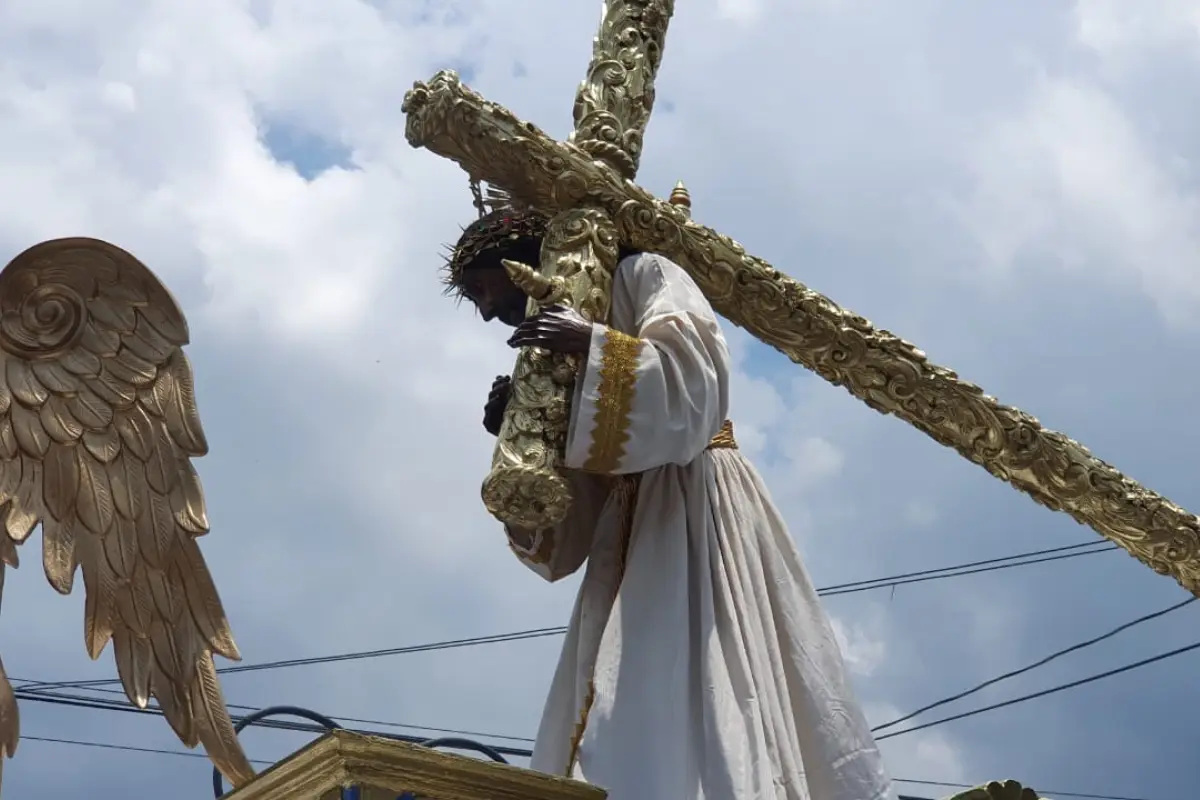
(501, 221)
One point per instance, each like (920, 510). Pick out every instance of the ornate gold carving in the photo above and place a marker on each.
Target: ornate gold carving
(724, 439)
(887, 373)
(524, 488)
(387, 768)
(996, 790)
(98, 426)
(614, 101)
(616, 389)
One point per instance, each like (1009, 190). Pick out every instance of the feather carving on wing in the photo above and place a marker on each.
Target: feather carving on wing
(98, 426)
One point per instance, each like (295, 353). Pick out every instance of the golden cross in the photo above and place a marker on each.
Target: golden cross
(586, 184)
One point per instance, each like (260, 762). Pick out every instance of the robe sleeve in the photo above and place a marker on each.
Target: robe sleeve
(656, 392)
(557, 552)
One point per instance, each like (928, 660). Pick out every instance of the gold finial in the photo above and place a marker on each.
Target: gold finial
(680, 198)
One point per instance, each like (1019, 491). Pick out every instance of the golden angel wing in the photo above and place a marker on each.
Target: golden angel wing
(98, 425)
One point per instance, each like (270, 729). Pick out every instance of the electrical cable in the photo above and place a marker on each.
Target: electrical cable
(260, 763)
(1040, 790)
(1045, 692)
(1057, 654)
(1024, 670)
(95, 703)
(920, 576)
(356, 720)
(1087, 548)
(262, 715)
(515, 636)
(39, 692)
(128, 748)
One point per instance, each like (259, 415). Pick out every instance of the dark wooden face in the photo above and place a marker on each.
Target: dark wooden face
(486, 283)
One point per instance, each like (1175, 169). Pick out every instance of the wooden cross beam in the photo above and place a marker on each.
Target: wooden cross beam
(587, 185)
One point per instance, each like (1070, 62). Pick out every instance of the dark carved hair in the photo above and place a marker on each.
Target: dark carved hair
(502, 234)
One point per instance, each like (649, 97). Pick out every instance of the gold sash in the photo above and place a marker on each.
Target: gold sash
(724, 438)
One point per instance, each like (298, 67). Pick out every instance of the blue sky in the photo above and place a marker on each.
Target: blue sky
(1010, 185)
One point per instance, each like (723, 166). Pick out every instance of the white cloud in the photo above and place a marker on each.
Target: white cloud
(1117, 29)
(862, 650)
(745, 12)
(1068, 179)
(342, 394)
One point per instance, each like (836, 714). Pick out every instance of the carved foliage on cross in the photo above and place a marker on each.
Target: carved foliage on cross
(886, 372)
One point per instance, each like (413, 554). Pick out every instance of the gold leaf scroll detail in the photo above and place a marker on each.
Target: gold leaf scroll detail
(887, 373)
(98, 425)
(614, 102)
(616, 389)
(525, 488)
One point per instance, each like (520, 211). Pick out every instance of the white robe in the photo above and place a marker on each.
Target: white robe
(699, 664)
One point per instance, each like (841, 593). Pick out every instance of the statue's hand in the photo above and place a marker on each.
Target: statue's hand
(557, 328)
(497, 402)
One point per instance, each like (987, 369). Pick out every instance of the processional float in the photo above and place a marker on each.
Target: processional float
(98, 421)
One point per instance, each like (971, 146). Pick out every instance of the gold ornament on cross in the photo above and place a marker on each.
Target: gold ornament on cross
(585, 185)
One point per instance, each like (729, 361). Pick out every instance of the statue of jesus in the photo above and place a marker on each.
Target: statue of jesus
(699, 664)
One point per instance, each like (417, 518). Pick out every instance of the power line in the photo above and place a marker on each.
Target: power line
(127, 748)
(1045, 692)
(100, 704)
(515, 636)
(1039, 789)
(1057, 654)
(959, 571)
(96, 703)
(39, 692)
(921, 576)
(33, 686)
(189, 754)
(1002, 562)
(355, 720)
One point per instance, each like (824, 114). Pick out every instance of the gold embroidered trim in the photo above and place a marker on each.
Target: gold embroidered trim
(616, 389)
(627, 494)
(580, 727)
(724, 438)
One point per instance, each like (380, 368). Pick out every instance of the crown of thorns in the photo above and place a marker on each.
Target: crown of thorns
(501, 224)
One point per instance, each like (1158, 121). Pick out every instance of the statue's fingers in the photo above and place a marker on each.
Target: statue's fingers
(528, 326)
(523, 339)
(533, 340)
(527, 329)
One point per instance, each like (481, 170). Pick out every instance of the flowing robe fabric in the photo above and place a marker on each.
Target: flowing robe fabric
(699, 664)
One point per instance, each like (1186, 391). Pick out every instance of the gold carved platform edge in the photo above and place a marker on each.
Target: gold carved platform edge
(390, 767)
